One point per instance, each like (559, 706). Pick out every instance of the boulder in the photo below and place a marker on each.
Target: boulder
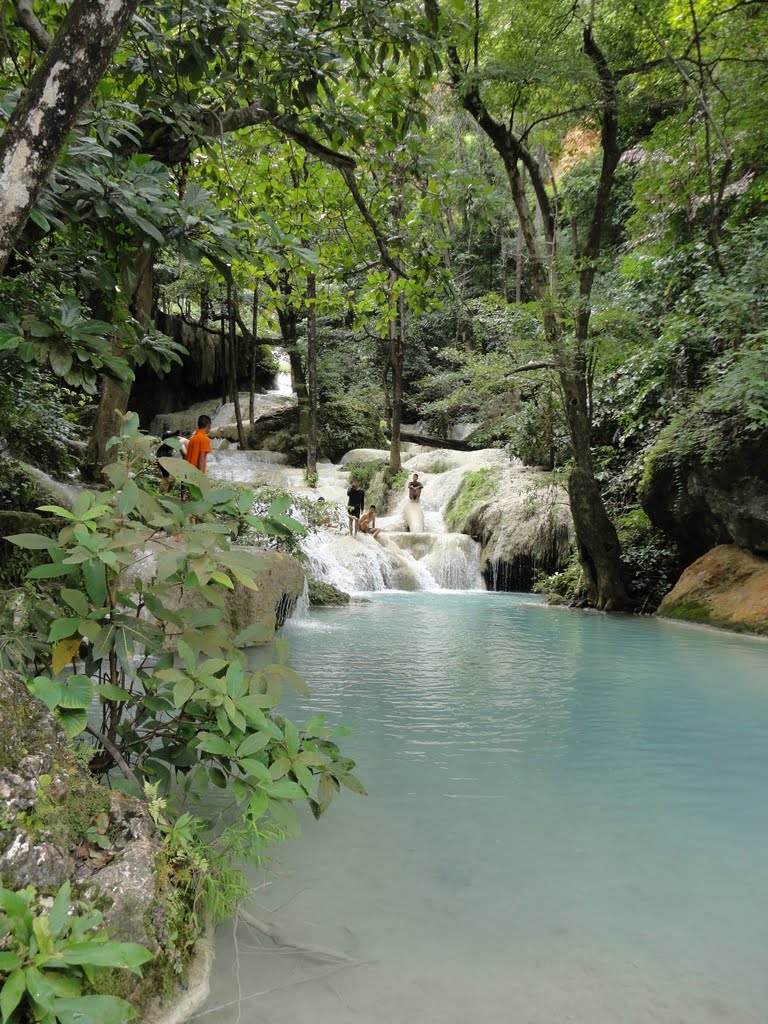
(524, 528)
(725, 587)
(281, 583)
(266, 407)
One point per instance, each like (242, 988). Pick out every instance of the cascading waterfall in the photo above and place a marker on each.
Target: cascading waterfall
(397, 559)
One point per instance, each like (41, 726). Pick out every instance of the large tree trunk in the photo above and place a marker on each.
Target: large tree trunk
(38, 127)
(597, 542)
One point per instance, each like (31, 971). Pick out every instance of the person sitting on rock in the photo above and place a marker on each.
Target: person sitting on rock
(367, 522)
(415, 488)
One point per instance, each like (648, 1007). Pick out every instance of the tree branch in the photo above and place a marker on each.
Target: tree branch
(117, 757)
(392, 264)
(28, 20)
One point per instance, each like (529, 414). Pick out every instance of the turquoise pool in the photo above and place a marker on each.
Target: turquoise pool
(566, 823)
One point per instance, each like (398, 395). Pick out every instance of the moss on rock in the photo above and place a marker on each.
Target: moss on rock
(325, 594)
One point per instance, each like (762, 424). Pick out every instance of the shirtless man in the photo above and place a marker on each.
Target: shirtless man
(367, 522)
(414, 488)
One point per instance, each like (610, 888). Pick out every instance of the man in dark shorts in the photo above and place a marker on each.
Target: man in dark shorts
(355, 504)
(414, 488)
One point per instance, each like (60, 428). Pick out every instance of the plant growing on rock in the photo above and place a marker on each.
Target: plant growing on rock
(51, 959)
(140, 584)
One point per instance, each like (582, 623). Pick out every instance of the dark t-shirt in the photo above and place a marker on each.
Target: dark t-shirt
(355, 500)
(414, 490)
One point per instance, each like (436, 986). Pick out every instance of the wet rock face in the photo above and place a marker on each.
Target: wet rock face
(725, 587)
(701, 502)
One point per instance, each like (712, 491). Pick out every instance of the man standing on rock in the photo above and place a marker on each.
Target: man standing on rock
(355, 505)
(199, 445)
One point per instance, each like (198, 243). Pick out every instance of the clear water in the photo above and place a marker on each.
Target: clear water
(566, 823)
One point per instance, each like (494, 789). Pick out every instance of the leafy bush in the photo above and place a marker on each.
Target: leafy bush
(567, 586)
(364, 472)
(351, 420)
(51, 959)
(18, 491)
(176, 693)
(651, 561)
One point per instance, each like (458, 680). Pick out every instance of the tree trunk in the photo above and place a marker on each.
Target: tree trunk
(113, 395)
(396, 331)
(597, 541)
(255, 334)
(38, 127)
(233, 361)
(312, 374)
(288, 319)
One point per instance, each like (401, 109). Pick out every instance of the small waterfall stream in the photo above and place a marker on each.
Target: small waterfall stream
(396, 559)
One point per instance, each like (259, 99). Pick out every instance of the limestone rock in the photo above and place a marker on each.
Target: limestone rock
(280, 582)
(128, 883)
(526, 526)
(30, 737)
(725, 587)
(28, 862)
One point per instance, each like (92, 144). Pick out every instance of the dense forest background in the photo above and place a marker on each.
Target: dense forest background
(543, 224)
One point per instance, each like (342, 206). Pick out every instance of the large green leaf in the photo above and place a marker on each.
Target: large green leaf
(76, 692)
(129, 955)
(32, 541)
(72, 722)
(94, 1010)
(215, 745)
(11, 994)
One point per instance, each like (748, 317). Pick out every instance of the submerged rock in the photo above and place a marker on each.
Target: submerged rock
(725, 587)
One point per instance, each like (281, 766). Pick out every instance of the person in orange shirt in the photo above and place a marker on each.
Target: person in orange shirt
(199, 445)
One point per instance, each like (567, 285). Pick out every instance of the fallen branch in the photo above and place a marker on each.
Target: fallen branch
(311, 952)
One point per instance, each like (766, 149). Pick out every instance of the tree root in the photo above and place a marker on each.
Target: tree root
(311, 952)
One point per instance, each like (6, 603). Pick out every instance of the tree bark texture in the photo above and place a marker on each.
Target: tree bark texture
(46, 112)
(233, 362)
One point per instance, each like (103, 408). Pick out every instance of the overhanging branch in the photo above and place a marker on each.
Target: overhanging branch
(28, 20)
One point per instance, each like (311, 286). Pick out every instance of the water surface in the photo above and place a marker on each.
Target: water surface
(566, 823)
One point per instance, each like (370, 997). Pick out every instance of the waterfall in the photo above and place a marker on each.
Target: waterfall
(65, 493)
(430, 559)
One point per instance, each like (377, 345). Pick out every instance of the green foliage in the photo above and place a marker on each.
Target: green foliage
(567, 586)
(350, 421)
(306, 515)
(651, 560)
(175, 690)
(51, 959)
(476, 488)
(38, 418)
(731, 413)
(18, 491)
(364, 472)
